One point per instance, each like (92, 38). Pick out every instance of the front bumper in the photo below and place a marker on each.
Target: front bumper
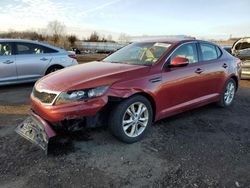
(69, 111)
(36, 130)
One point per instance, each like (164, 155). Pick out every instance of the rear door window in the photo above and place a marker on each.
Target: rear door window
(29, 48)
(5, 49)
(208, 52)
(49, 50)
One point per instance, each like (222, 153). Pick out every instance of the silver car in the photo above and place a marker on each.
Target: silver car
(24, 61)
(241, 49)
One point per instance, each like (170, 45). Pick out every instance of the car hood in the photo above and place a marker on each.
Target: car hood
(89, 75)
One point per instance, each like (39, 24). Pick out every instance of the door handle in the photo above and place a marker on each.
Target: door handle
(8, 62)
(198, 71)
(157, 79)
(225, 65)
(44, 59)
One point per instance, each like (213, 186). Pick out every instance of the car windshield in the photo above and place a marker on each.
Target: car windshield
(139, 54)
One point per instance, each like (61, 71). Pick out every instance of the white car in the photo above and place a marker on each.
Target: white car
(241, 49)
(24, 61)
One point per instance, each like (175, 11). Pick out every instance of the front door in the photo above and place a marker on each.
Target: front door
(182, 86)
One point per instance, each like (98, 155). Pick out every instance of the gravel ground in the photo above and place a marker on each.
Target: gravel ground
(206, 147)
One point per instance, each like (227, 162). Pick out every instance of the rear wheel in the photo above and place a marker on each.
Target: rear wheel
(53, 69)
(228, 94)
(130, 119)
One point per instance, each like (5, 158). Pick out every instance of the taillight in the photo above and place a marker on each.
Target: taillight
(72, 56)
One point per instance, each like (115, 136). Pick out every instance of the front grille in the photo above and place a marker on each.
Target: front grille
(44, 97)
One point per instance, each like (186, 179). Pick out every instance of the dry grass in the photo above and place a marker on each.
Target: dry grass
(90, 57)
(17, 110)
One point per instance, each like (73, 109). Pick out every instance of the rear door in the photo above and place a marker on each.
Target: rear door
(214, 68)
(32, 60)
(7, 63)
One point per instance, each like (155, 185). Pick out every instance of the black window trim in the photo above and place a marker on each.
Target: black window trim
(219, 56)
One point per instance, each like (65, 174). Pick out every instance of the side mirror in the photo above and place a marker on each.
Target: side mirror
(179, 62)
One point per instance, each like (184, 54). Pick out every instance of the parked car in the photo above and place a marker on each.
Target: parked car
(241, 49)
(24, 61)
(132, 88)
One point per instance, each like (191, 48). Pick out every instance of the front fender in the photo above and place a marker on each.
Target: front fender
(125, 93)
(122, 93)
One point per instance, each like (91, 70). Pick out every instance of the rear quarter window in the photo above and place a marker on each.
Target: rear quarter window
(49, 50)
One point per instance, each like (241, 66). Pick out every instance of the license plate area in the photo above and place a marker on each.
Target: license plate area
(34, 130)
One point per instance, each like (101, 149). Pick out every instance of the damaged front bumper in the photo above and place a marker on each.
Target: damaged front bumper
(36, 130)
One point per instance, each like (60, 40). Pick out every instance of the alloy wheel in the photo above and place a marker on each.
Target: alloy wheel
(135, 119)
(229, 93)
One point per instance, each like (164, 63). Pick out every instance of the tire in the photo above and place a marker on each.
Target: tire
(228, 94)
(53, 69)
(131, 127)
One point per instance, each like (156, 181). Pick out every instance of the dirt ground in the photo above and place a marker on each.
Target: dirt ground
(206, 147)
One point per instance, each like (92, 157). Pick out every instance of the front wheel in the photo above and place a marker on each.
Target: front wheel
(130, 119)
(228, 94)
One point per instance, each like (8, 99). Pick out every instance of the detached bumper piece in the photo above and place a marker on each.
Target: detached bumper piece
(36, 130)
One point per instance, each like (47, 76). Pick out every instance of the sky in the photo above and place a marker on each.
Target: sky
(217, 19)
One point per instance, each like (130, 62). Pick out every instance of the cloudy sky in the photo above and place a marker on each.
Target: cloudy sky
(208, 19)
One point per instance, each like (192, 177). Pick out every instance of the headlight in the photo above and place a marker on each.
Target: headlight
(79, 95)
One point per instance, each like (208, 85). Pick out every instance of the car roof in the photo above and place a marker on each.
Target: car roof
(31, 41)
(15, 40)
(163, 40)
(175, 41)
(169, 41)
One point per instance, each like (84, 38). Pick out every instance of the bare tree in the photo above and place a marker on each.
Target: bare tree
(103, 39)
(56, 29)
(94, 37)
(31, 35)
(72, 39)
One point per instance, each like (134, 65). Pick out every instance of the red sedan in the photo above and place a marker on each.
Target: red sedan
(132, 88)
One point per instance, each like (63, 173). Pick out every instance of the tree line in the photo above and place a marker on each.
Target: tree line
(55, 34)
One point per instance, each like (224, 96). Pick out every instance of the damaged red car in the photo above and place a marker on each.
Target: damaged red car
(132, 88)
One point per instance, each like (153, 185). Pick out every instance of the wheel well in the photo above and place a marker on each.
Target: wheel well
(53, 66)
(236, 81)
(115, 100)
(151, 100)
